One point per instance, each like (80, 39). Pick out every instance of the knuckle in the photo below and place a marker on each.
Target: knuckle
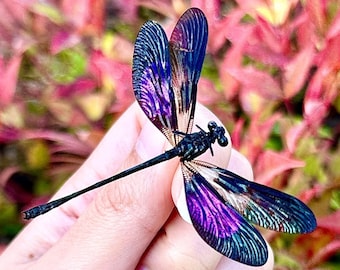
(124, 200)
(116, 199)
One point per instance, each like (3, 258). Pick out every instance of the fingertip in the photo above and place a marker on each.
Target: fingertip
(221, 155)
(182, 207)
(151, 142)
(220, 158)
(240, 165)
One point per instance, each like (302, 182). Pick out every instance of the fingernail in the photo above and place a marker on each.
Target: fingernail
(150, 142)
(182, 207)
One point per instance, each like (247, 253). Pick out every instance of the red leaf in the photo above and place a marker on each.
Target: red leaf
(328, 59)
(334, 29)
(66, 142)
(62, 40)
(236, 134)
(80, 86)
(222, 29)
(104, 68)
(8, 79)
(271, 164)
(211, 8)
(316, 10)
(276, 40)
(96, 18)
(253, 80)
(293, 136)
(9, 134)
(207, 94)
(127, 9)
(305, 31)
(311, 193)
(296, 72)
(167, 8)
(86, 17)
(14, 13)
(323, 88)
(233, 61)
(257, 135)
(331, 222)
(250, 5)
(261, 53)
(324, 253)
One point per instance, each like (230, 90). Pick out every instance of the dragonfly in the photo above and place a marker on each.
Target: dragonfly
(223, 206)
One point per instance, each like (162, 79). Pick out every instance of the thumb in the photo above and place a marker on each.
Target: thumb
(124, 216)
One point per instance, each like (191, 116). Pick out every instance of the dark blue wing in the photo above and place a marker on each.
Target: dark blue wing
(166, 87)
(151, 75)
(219, 224)
(187, 49)
(261, 205)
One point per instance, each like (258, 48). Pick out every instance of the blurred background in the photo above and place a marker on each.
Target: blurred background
(271, 74)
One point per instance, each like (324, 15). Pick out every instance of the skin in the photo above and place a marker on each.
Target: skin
(132, 223)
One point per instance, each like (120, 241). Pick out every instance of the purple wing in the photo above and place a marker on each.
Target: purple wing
(261, 205)
(151, 74)
(220, 202)
(187, 49)
(164, 86)
(219, 224)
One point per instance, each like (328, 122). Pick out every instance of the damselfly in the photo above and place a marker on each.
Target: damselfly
(221, 204)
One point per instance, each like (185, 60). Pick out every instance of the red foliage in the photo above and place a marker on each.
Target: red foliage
(8, 80)
(272, 77)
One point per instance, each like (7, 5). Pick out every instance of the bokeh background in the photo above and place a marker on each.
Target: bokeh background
(271, 74)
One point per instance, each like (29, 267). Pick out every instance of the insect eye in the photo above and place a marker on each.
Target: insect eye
(223, 141)
(212, 125)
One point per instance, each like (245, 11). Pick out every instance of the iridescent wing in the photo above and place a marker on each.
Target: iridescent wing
(187, 49)
(219, 224)
(151, 78)
(261, 205)
(165, 86)
(220, 203)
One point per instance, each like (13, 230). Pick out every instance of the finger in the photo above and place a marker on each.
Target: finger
(46, 230)
(123, 218)
(179, 245)
(220, 158)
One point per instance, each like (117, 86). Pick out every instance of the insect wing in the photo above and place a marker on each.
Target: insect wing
(187, 50)
(218, 223)
(261, 205)
(151, 75)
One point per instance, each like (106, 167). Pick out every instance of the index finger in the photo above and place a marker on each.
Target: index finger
(108, 157)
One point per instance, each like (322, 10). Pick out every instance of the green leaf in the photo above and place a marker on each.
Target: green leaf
(334, 201)
(49, 11)
(68, 65)
(314, 168)
(37, 154)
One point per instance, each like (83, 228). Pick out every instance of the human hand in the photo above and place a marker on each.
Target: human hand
(131, 223)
